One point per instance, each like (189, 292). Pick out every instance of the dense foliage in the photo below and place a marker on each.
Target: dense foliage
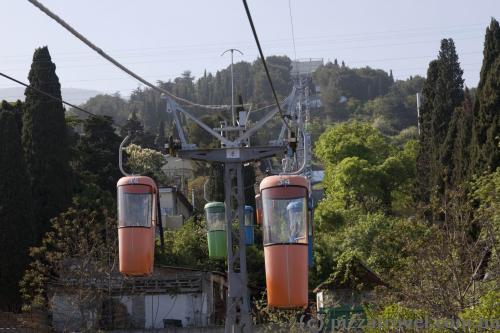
(363, 169)
(17, 227)
(45, 143)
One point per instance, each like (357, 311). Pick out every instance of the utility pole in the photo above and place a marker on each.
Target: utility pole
(232, 81)
(418, 112)
(234, 152)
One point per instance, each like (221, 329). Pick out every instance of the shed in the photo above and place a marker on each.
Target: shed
(340, 297)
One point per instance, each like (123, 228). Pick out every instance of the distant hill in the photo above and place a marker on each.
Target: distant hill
(71, 95)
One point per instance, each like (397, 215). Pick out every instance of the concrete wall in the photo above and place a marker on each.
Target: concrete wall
(191, 309)
(168, 202)
(70, 314)
(215, 329)
(173, 211)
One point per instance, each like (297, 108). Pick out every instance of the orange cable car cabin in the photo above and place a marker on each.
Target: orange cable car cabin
(285, 229)
(137, 215)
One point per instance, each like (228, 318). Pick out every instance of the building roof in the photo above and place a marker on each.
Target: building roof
(360, 276)
(172, 269)
(165, 279)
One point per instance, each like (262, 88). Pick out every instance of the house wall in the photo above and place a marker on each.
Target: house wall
(146, 308)
(173, 210)
(70, 314)
(168, 203)
(191, 309)
(342, 297)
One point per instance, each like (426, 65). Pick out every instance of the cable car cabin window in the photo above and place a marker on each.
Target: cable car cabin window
(134, 209)
(216, 221)
(285, 219)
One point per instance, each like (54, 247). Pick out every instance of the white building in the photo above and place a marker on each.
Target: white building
(175, 208)
(172, 297)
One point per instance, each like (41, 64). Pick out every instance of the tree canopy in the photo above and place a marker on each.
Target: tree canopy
(45, 143)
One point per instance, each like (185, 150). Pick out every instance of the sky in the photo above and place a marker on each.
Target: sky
(159, 39)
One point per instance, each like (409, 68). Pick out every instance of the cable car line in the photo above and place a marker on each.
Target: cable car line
(284, 204)
(51, 96)
(116, 63)
(247, 10)
(293, 33)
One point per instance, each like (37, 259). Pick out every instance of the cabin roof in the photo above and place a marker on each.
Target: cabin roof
(360, 277)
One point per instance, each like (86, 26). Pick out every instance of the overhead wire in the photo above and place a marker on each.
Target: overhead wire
(247, 10)
(293, 35)
(116, 63)
(50, 95)
(345, 38)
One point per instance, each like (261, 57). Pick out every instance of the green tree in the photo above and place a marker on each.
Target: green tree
(146, 162)
(423, 180)
(97, 152)
(485, 137)
(45, 143)
(376, 239)
(199, 136)
(17, 229)
(215, 185)
(188, 247)
(363, 169)
(398, 106)
(113, 106)
(352, 139)
(442, 93)
(160, 138)
(488, 309)
(78, 252)
(279, 69)
(134, 127)
(150, 107)
(449, 96)
(455, 148)
(440, 275)
(184, 86)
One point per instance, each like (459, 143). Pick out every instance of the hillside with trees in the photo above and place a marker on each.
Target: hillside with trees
(419, 208)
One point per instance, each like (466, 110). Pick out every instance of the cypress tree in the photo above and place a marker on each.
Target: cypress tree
(160, 138)
(136, 129)
(484, 148)
(215, 186)
(448, 93)
(97, 152)
(423, 180)
(443, 93)
(132, 125)
(16, 215)
(45, 143)
(456, 146)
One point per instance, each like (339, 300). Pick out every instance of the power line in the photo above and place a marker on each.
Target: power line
(344, 37)
(307, 41)
(293, 33)
(115, 62)
(50, 96)
(264, 63)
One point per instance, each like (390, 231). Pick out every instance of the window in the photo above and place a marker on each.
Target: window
(134, 209)
(285, 219)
